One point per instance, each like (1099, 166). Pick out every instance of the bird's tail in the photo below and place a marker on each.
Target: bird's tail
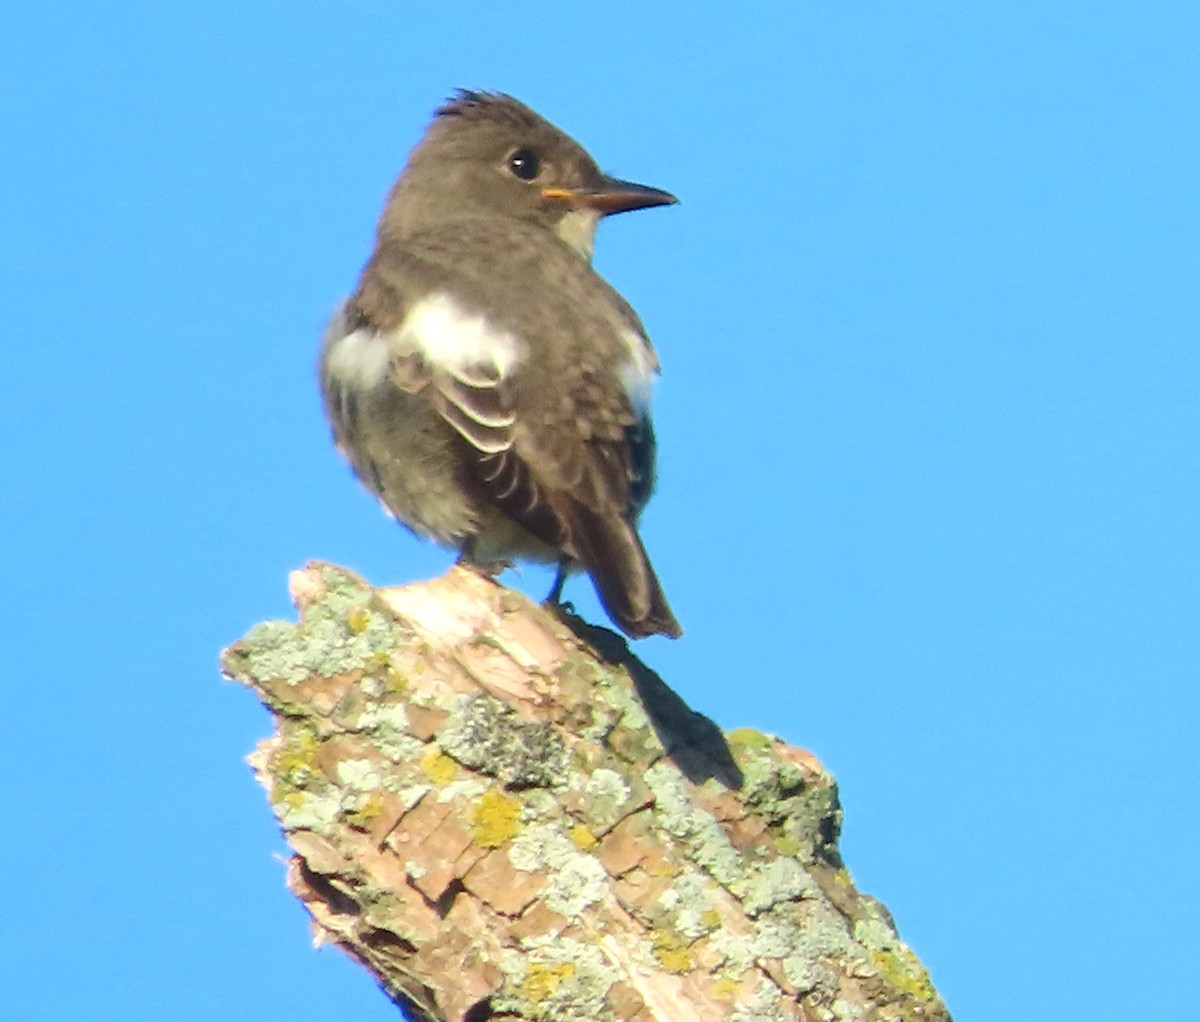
(611, 552)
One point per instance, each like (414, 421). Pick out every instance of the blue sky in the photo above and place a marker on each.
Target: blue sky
(928, 435)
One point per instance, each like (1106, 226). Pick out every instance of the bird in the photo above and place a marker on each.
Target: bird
(484, 382)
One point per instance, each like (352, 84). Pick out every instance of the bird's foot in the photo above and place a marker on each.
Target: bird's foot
(560, 607)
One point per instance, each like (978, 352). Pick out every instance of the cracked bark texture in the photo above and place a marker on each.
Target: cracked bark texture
(502, 813)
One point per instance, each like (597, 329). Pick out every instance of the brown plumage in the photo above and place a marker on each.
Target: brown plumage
(483, 380)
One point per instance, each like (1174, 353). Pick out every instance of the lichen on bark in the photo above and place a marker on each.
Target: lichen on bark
(501, 812)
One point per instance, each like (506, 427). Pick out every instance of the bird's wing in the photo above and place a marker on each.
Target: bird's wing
(547, 400)
(537, 437)
(576, 474)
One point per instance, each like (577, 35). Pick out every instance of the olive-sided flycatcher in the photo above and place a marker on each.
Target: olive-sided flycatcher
(483, 380)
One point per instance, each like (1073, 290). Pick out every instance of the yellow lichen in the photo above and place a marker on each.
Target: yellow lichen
(672, 951)
(542, 980)
(748, 738)
(583, 838)
(295, 763)
(495, 818)
(438, 767)
(904, 973)
(788, 846)
(674, 959)
(725, 986)
(358, 620)
(395, 681)
(711, 918)
(366, 811)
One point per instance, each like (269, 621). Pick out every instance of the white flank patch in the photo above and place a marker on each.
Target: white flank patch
(358, 359)
(637, 375)
(456, 340)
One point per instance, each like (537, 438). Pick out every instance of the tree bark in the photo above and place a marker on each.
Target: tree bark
(502, 813)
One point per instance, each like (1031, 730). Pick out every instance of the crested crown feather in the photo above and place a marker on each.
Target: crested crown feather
(493, 106)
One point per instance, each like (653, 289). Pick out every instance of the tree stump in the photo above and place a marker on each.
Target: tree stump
(502, 813)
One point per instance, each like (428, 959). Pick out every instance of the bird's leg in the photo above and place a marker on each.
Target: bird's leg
(554, 597)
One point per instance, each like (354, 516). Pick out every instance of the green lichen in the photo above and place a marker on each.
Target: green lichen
(766, 778)
(337, 648)
(763, 1004)
(848, 1011)
(811, 820)
(344, 630)
(620, 695)
(407, 792)
(487, 735)
(767, 884)
(789, 846)
(576, 885)
(687, 906)
(467, 787)
(540, 804)
(708, 844)
(732, 950)
(606, 795)
(807, 929)
(807, 976)
(271, 649)
(371, 684)
(308, 810)
(575, 880)
(804, 817)
(614, 715)
(872, 931)
(358, 775)
(397, 746)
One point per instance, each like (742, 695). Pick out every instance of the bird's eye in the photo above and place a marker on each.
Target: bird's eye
(524, 164)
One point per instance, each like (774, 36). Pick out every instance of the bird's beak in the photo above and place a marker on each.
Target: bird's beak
(612, 195)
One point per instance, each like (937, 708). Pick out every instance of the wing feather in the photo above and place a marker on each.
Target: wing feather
(552, 438)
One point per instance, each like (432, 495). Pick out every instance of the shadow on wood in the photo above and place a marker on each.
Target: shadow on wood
(693, 742)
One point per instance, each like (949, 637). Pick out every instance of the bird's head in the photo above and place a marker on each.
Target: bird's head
(486, 154)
